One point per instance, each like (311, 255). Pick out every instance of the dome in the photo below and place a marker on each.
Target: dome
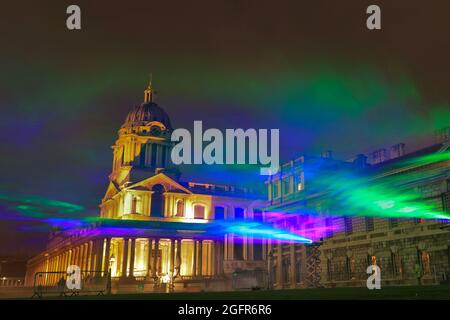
(145, 113)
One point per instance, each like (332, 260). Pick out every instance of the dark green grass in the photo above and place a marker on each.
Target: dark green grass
(415, 292)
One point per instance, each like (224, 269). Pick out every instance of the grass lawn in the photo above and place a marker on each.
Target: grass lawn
(415, 292)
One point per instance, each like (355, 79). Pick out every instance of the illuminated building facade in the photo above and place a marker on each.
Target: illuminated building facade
(153, 226)
(389, 211)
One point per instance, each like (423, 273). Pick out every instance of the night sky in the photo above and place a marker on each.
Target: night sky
(309, 68)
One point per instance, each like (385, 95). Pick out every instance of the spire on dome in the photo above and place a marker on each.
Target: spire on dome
(148, 92)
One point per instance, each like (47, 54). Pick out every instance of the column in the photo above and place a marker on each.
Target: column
(107, 250)
(66, 260)
(150, 260)
(86, 256)
(89, 258)
(69, 258)
(132, 254)
(292, 258)
(172, 255)
(98, 255)
(82, 256)
(250, 254)
(178, 259)
(125, 257)
(303, 262)
(75, 256)
(155, 257)
(194, 267)
(200, 257)
(225, 240)
(220, 257)
(279, 275)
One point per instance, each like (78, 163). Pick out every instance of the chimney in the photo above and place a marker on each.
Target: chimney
(379, 156)
(442, 135)
(397, 150)
(328, 154)
(360, 160)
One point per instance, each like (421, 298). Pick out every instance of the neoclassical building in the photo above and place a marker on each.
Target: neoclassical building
(154, 226)
(334, 201)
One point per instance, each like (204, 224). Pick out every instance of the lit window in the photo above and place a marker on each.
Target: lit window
(199, 212)
(276, 190)
(287, 186)
(180, 208)
(425, 259)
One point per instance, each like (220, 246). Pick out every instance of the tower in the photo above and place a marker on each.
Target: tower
(143, 146)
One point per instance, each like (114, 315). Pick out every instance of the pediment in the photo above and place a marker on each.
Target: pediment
(168, 183)
(112, 190)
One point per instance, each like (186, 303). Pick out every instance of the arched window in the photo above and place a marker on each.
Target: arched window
(199, 211)
(180, 208)
(157, 209)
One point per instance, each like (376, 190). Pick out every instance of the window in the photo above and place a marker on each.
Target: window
(287, 186)
(393, 223)
(180, 208)
(153, 156)
(163, 157)
(157, 203)
(122, 157)
(136, 205)
(199, 211)
(187, 257)
(446, 199)
(275, 190)
(348, 224)
(257, 215)
(238, 213)
(286, 265)
(238, 248)
(425, 262)
(347, 268)
(207, 258)
(299, 182)
(329, 227)
(257, 250)
(369, 224)
(219, 213)
(142, 155)
(396, 262)
(298, 271)
(132, 204)
(329, 270)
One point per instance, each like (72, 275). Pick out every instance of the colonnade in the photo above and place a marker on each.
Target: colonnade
(95, 258)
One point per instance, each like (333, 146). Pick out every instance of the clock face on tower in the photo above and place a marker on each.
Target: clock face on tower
(155, 131)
